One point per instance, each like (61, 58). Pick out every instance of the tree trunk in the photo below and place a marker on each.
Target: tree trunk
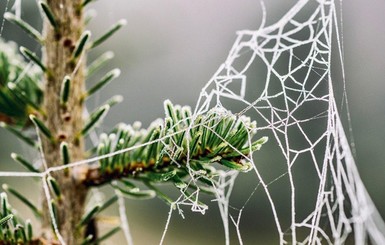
(64, 122)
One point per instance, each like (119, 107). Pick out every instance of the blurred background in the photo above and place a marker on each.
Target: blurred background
(170, 49)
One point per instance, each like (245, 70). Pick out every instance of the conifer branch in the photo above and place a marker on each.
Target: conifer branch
(165, 151)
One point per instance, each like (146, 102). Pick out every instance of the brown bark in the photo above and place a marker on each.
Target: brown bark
(64, 121)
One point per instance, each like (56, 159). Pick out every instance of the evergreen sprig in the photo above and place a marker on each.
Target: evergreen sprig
(12, 229)
(168, 150)
(20, 92)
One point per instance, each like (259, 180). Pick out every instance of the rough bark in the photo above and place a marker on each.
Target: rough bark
(65, 122)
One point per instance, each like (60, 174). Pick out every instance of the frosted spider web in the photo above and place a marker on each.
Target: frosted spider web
(297, 94)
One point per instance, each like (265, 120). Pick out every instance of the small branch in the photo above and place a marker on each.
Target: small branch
(162, 154)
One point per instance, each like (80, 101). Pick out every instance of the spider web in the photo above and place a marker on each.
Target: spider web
(293, 99)
(296, 95)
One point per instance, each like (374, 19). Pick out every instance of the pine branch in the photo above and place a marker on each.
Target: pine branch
(167, 150)
(13, 230)
(20, 92)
